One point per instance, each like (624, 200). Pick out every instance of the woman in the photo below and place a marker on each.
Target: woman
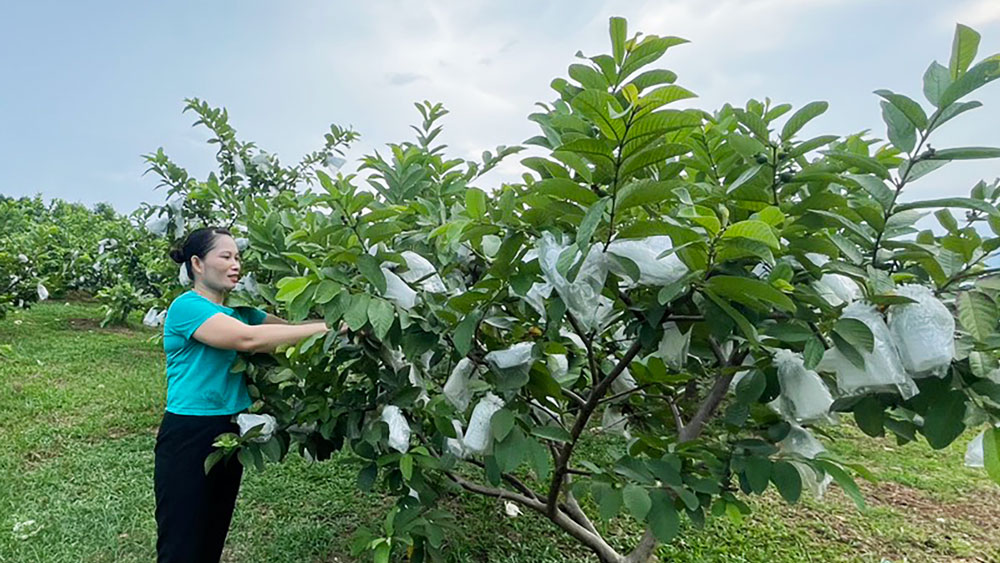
(201, 337)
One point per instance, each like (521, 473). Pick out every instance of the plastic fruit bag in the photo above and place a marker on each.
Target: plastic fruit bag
(182, 276)
(614, 422)
(924, 332)
(248, 421)
(419, 268)
(644, 252)
(800, 441)
(582, 296)
(399, 429)
(43, 292)
(397, 291)
(974, 456)
(836, 289)
(804, 397)
(477, 436)
(515, 360)
(673, 349)
(883, 369)
(456, 388)
(157, 226)
(151, 319)
(455, 445)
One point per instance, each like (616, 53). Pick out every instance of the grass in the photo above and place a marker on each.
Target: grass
(80, 405)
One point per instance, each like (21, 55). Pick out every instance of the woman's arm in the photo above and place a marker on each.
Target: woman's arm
(225, 332)
(273, 320)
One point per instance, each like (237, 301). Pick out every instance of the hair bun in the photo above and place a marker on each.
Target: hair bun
(177, 255)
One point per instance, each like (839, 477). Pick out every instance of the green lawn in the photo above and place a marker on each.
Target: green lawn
(79, 408)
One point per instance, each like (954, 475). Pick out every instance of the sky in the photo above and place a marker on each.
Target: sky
(89, 87)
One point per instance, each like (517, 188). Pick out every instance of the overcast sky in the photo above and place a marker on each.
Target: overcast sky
(88, 87)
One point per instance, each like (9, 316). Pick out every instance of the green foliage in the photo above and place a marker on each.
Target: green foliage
(119, 302)
(736, 228)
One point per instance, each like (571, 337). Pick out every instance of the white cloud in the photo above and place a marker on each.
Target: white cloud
(978, 13)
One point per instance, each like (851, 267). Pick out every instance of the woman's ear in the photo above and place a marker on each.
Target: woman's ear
(197, 265)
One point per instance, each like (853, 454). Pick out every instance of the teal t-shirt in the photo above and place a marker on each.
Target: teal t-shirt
(198, 378)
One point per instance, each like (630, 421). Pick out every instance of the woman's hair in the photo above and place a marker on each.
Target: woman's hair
(198, 243)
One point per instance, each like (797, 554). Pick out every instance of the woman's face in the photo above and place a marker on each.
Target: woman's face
(220, 268)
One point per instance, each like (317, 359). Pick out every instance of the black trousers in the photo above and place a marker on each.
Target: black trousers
(193, 510)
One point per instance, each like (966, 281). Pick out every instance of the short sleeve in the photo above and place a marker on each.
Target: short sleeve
(186, 315)
(252, 315)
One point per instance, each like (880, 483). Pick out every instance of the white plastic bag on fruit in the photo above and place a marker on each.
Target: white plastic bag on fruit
(582, 296)
(644, 252)
(537, 295)
(477, 436)
(623, 383)
(456, 388)
(614, 422)
(248, 421)
(836, 289)
(924, 332)
(455, 445)
(399, 429)
(673, 349)
(242, 243)
(151, 319)
(558, 365)
(397, 291)
(419, 268)
(182, 276)
(514, 360)
(883, 369)
(42, 291)
(157, 225)
(804, 397)
(974, 456)
(248, 283)
(334, 163)
(800, 441)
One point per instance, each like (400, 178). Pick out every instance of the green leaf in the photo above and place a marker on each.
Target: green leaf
(618, 31)
(857, 333)
(963, 50)
(588, 77)
(366, 477)
(952, 111)
(864, 163)
(565, 189)
(381, 313)
(637, 501)
(979, 75)
(978, 314)
(653, 77)
(290, 288)
(844, 480)
(748, 330)
(911, 109)
(356, 314)
(747, 175)
(369, 267)
(553, 433)
(869, 414)
(465, 331)
(991, 453)
(758, 472)
(590, 223)
(902, 134)
(813, 353)
(788, 481)
(501, 424)
(754, 230)
(326, 291)
(944, 419)
(506, 254)
(648, 51)
(475, 203)
(608, 499)
(662, 518)
(802, 116)
(883, 194)
(963, 202)
(965, 153)
(936, 81)
(849, 350)
(212, 459)
(406, 466)
(751, 292)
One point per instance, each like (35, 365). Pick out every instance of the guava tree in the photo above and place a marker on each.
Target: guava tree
(705, 286)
